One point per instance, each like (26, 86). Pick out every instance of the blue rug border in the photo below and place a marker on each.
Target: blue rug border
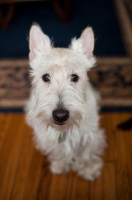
(103, 110)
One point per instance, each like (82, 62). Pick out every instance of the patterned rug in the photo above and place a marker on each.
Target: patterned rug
(112, 77)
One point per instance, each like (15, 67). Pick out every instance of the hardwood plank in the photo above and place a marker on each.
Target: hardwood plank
(45, 182)
(105, 186)
(128, 140)
(11, 153)
(59, 187)
(81, 188)
(6, 147)
(68, 186)
(26, 155)
(109, 182)
(70, 190)
(56, 187)
(4, 119)
(96, 188)
(33, 178)
(123, 179)
(128, 146)
(106, 124)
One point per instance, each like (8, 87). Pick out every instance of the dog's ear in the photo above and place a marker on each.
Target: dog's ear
(38, 42)
(85, 42)
(87, 38)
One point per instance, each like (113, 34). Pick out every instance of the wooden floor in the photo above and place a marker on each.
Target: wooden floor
(24, 173)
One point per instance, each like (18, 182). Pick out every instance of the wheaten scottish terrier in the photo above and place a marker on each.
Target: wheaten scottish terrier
(62, 109)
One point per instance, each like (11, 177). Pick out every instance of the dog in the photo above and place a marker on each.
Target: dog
(63, 106)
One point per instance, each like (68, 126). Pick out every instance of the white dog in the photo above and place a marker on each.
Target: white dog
(62, 108)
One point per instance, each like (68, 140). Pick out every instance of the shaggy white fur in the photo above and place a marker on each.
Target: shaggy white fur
(62, 109)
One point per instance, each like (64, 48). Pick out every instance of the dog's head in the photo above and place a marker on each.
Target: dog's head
(60, 82)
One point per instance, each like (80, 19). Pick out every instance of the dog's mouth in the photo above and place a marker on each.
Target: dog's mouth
(59, 123)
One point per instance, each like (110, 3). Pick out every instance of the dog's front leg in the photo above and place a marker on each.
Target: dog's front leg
(91, 169)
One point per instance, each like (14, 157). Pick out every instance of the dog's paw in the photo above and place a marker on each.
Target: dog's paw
(58, 167)
(91, 172)
(88, 175)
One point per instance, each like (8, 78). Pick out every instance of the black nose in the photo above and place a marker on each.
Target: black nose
(60, 115)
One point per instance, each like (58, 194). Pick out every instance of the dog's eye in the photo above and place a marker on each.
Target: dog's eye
(74, 78)
(46, 77)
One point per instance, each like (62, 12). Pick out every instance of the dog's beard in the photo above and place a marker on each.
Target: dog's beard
(73, 120)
